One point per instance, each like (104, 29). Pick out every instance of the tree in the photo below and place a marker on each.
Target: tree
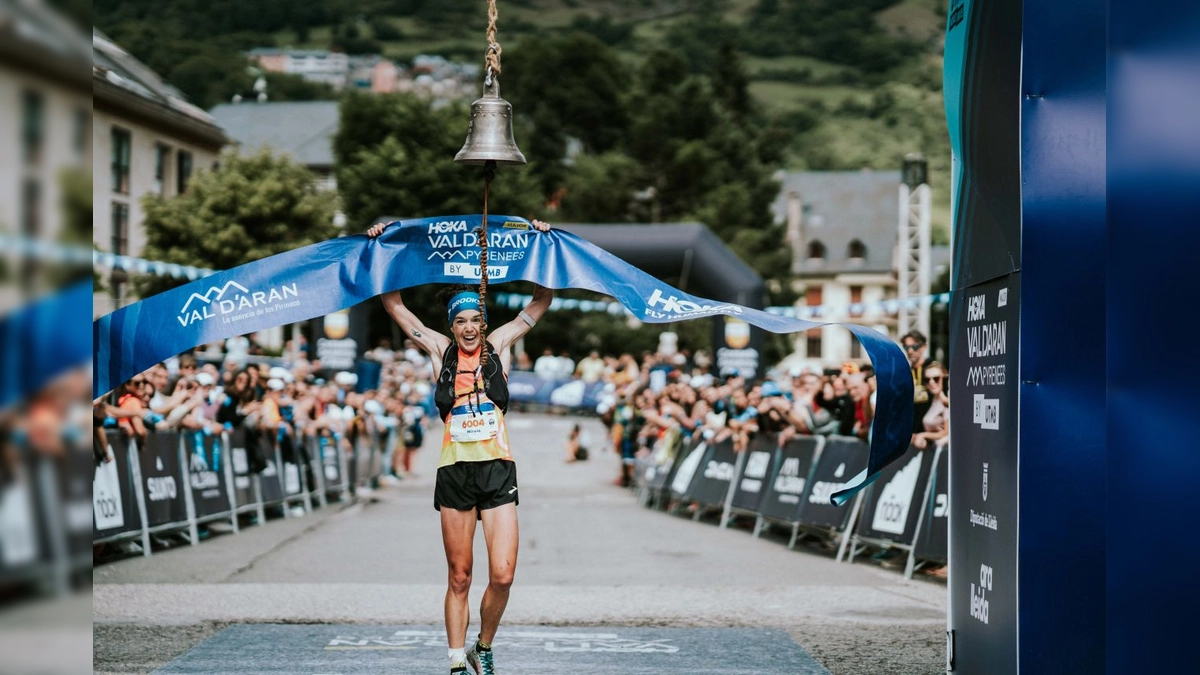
(246, 209)
(566, 87)
(395, 157)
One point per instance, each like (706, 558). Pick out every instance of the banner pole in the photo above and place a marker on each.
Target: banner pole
(186, 469)
(739, 466)
(230, 488)
(139, 493)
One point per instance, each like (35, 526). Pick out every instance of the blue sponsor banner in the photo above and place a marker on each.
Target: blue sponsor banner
(37, 342)
(332, 275)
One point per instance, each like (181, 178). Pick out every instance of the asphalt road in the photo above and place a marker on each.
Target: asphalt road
(591, 560)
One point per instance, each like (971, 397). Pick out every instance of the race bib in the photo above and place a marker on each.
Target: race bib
(470, 424)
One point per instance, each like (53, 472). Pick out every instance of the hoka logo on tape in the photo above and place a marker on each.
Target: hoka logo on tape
(660, 307)
(447, 226)
(235, 302)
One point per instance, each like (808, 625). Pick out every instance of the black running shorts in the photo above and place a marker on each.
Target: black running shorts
(467, 486)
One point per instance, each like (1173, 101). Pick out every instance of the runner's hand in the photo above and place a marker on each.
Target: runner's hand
(376, 230)
(540, 226)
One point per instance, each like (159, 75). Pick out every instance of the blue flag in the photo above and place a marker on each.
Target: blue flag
(333, 275)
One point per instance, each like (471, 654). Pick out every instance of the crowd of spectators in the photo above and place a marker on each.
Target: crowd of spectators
(226, 386)
(646, 397)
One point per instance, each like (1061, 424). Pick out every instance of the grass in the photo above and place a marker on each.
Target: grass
(914, 18)
(757, 64)
(783, 96)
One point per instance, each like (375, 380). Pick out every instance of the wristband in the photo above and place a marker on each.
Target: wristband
(527, 319)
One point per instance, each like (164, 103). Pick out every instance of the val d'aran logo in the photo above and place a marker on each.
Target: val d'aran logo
(234, 302)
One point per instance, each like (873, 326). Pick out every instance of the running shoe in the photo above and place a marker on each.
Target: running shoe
(480, 660)
(458, 669)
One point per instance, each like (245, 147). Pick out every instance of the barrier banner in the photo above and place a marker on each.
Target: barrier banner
(685, 472)
(662, 459)
(332, 275)
(759, 465)
(114, 503)
(787, 481)
(832, 471)
(75, 492)
(935, 529)
(324, 452)
(162, 479)
(893, 504)
(22, 541)
(239, 461)
(271, 477)
(716, 472)
(205, 473)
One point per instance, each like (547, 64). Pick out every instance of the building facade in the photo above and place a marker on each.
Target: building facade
(45, 136)
(842, 228)
(146, 139)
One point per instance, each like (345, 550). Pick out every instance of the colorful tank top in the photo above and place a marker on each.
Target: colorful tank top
(475, 430)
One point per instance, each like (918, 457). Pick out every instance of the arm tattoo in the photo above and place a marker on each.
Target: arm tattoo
(416, 333)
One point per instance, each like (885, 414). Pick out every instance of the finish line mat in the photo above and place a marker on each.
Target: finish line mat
(349, 649)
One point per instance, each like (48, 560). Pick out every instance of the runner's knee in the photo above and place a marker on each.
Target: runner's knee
(460, 580)
(501, 578)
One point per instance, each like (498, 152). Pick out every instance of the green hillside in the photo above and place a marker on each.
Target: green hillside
(857, 83)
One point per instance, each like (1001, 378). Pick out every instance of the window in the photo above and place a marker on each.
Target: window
(120, 228)
(812, 344)
(183, 170)
(813, 296)
(81, 136)
(162, 159)
(33, 126)
(856, 250)
(120, 161)
(31, 209)
(816, 251)
(856, 299)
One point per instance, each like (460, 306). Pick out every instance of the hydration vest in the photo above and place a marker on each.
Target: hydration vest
(494, 384)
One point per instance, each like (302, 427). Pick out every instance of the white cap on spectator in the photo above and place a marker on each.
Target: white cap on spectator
(279, 373)
(346, 379)
(373, 407)
(405, 388)
(205, 380)
(275, 384)
(795, 371)
(423, 388)
(603, 407)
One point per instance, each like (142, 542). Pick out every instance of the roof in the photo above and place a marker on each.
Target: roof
(119, 68)
(35, 37)
(302, 129)
(839, 207)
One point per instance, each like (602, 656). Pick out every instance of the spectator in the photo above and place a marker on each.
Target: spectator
(833, 397)
(936, 421)
(523, 362)
(914, 344)
(132, 407)
(591, 368)
(237, 350)
(546, 366)
(383, 352)
(860, 393)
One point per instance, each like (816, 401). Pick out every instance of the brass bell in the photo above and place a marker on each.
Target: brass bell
(490, 134)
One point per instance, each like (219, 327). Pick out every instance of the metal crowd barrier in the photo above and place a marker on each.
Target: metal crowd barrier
(43, 522)
(905, 508)
(178, 481)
